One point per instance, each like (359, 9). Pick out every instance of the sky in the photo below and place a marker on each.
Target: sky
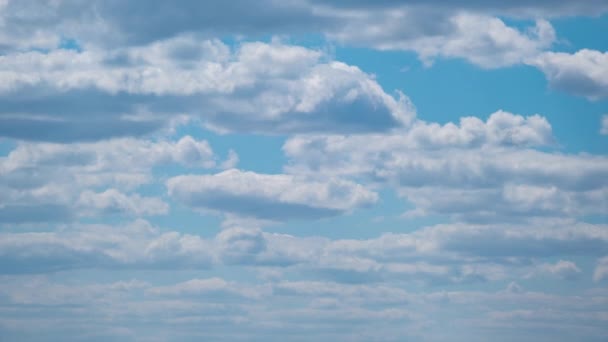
(303, 170)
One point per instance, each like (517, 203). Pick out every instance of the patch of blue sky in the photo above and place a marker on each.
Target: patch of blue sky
(575, 33)
(6, 146)
(70, 44)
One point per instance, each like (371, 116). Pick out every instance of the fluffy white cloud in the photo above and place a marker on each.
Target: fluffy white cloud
(109, 155)
(173, 62)
(66, 95)
(506, 203)
(583, 73)
(441, 253)
(500, 129)
(482, 40)
(474, 171)
(468, 29)
(269, 197)
(58, 182)
(137, 244)
(604, 125)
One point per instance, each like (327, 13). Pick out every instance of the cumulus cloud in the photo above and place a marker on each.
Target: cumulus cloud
(67, 95)
(583, 73)
(269, 197)
(500, 129)
(157, 52)
(467, 29)
(604, 125)
(482, 40)
(116, 154)
(58, 182)
(137, 244)
(441, 253)
(474, 171)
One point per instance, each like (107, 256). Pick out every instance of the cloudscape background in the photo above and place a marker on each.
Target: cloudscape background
(303, 170)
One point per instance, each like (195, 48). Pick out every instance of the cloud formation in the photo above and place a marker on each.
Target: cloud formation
(60, 182)
(67, 95)
(582, 73)
(475, 172)
(269, 197)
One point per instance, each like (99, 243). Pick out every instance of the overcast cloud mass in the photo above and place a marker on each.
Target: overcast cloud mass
(303, 170)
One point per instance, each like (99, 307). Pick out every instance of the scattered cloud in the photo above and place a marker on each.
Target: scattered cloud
(67, 95)
(269, 197)
(372, 225)
(483, 40)
(60, 182)
(583, 73)
(475, 171)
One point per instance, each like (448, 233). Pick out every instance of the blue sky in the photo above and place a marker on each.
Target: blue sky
(303, 170)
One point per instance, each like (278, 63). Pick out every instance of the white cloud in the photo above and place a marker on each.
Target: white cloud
(604, 125)
(482, 40)
(270, 197)
(441, 254)
(481, 242)
(294, 89)
(468, 29)
(583, 73)
(59, 182)
(112, 201)
(474, 171)
(116, 155)
(135, 245)
(500, 129)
